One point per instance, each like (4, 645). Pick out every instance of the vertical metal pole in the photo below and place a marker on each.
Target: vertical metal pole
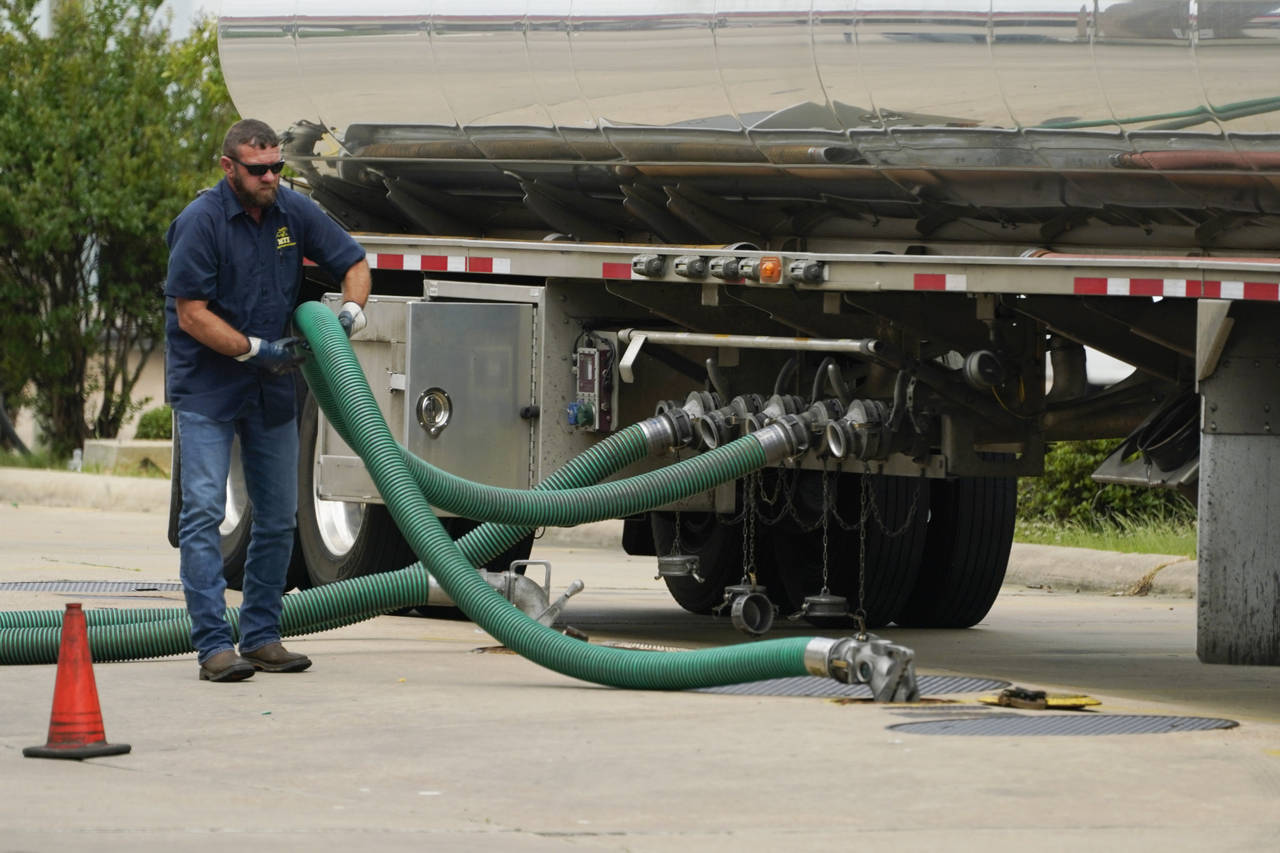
(1239, 493)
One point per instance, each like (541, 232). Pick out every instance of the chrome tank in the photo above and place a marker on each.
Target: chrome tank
(1033, 120)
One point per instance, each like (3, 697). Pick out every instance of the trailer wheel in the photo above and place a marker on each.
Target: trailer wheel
(717, 546)
(894, 544)
(236, 523)
(966, 552)
(341, 539)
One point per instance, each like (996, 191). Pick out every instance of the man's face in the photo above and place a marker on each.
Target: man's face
(254, 191)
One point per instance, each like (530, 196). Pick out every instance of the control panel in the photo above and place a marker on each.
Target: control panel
(595, 366)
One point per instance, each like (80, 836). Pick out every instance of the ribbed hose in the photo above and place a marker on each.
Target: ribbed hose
(32, 637)
(306, 613)
(339, 378)
(564, 507)
(483, 604)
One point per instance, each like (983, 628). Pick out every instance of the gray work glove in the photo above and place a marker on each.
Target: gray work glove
(352, 318)
(278, 356)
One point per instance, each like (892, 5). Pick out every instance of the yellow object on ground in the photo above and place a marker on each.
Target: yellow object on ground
(1038, 700)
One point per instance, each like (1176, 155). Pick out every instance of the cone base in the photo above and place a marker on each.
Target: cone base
(77, 753)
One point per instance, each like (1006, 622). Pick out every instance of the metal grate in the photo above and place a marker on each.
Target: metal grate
(89, 586)
(812, 685)
(1064, 724)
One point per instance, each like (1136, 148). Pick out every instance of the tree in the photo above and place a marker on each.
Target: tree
(107, 129)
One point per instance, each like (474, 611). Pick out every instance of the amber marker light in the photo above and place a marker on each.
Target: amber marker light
(770, 270)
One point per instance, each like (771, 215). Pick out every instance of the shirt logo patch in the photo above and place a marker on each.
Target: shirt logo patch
(283, 238)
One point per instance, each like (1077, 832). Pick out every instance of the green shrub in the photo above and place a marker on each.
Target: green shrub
(1066, 492)
(156, 423)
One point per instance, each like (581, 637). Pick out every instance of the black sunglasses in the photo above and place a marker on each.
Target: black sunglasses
(260, 169)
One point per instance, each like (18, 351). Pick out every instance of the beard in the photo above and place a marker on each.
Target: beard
(257, 195)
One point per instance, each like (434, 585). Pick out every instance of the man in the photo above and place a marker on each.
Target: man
(235, 265)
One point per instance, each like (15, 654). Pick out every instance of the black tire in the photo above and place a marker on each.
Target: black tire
(718, 547)
(966, 552)
(459, 527)
(341, 539)
(637, 536)
(893, 561)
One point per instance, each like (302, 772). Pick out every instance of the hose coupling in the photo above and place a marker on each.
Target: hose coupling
(783, 439)
(659, 434)
(777, 406)
(861, 433)
(683, 416)
(750, 609)
(887, 668)
(817, 416)
(723, 425)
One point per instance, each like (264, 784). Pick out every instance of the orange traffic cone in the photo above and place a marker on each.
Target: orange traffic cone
(75, 726)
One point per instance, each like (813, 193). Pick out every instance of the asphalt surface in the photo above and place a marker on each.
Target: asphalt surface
(404, 736)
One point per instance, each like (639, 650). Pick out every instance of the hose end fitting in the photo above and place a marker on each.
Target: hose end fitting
(782, 439)
(887, 668)
(659, 434)
(680, 427)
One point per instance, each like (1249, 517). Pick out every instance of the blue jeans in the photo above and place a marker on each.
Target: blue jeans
(270, 459)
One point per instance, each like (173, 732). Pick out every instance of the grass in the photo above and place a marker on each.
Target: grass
(43, 459)
(1150, 535)
(35, 459)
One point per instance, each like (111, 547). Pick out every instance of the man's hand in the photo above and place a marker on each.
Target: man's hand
(352, 318)
(278, 356)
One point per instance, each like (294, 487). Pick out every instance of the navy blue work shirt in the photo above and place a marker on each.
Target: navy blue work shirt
(248, 273)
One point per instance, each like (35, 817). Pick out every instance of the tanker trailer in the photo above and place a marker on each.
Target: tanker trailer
(881, 224)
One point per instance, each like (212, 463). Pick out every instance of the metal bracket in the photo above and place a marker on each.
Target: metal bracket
(634, 346)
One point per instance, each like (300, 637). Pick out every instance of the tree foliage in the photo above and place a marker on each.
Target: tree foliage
(1067, 492)
(107, 129)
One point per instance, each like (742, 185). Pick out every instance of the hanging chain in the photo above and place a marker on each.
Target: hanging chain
(860, 615)
(911, 513)
(826, 540)
(749, 487)
(675, 543)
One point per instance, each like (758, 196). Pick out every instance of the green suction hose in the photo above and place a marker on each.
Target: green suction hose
(32, 636)
(483, 604)
(565, 507)
(335, 375)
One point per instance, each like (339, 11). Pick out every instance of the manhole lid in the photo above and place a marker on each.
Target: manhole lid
(89, 586)
(1063, 724)
(812, 685)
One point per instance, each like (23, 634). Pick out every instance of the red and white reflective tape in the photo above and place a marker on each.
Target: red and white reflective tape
(940, 281)
(1178, 287)
(438, 263)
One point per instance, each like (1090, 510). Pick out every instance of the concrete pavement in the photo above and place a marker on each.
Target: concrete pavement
(403, 737)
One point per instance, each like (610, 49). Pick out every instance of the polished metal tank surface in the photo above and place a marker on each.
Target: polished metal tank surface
(1152, 119)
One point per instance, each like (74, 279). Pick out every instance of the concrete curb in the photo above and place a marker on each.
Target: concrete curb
(1085, 570)
(40, 487)
(1047, 567)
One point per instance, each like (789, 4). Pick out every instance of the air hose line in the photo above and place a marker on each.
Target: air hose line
(409, 489)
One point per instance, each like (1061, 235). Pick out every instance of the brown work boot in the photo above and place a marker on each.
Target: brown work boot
(273, 658)
(226, 666)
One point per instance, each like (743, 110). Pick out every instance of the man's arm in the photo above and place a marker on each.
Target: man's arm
(195, 318)
(356, 285)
